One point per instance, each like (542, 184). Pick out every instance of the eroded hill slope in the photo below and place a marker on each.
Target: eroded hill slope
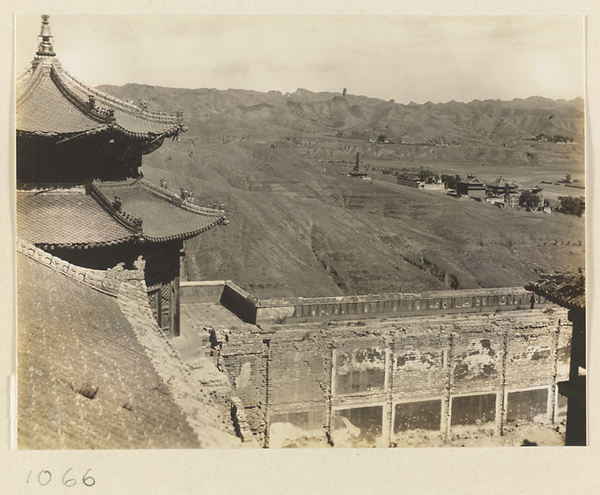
(301, 226)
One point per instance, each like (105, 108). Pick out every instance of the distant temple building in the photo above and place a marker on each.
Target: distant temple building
(471, 187)
(500, 187)
(80, 192)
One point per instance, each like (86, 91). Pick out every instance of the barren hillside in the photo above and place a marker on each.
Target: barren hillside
(301, 226)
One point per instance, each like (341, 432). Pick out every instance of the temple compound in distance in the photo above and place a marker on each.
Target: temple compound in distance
(115, 351)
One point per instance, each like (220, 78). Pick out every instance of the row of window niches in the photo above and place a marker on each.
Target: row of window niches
(466, 410)
(427, 415)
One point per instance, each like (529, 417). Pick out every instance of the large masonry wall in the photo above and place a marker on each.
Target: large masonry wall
(373, 382)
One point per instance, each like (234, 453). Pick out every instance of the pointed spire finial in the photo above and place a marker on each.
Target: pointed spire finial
(45, 39)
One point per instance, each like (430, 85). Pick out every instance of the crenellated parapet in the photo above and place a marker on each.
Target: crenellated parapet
(106, 281)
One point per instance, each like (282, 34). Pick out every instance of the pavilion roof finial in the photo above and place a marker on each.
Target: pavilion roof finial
(45, 39)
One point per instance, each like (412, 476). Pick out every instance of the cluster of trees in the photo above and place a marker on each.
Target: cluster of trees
(451, 181)
(529, 200)
(571, 205)
(425, 174)
(422, 174)
(441, 141)
(553, 139)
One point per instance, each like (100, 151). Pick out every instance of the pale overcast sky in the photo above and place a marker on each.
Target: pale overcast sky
(406, 58)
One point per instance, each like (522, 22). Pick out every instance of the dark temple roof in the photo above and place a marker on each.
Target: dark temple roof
(498, 184)
(52, 102)
(472, 182)
(164, 215)
(67, 218)
(568, 290)
(92, 216)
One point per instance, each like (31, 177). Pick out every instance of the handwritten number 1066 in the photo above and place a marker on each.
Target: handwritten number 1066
(44, 478)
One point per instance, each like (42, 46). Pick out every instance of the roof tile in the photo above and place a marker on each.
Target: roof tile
(50, 100)
(66, 217)
(164, 215)
(47, 110)
(567, 289)
(72, 217)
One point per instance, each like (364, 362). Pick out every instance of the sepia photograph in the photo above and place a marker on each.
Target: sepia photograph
(269, 231)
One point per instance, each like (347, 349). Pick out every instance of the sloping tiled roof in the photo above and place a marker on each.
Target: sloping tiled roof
(51, 101)
(568, 290)
(67, 218)
(84, 378)
(164, 215)
(78, 217)
(498, 184)
(472, 181)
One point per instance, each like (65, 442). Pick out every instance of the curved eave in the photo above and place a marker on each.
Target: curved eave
(146, 135)
(66, 136)
(115, 103)
(107, 112)
(130, 239)
(87, 245)
(108, 129)
(171, 123)
(184, 236)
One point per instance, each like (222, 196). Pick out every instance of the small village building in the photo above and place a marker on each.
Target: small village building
(81, 195)
(408, 181)
(432, 184)
(472, 188)
(511, 200)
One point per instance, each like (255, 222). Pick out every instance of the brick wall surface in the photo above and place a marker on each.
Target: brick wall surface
(297, 374)
(420, 362)
(341, 365)
(84, 379)
(95, 371)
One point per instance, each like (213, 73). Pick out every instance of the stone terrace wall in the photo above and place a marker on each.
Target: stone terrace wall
(373, 305)
(385, 381)
(231, 296)
(267, 311)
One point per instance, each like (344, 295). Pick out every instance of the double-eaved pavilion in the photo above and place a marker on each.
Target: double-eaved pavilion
(80, 194)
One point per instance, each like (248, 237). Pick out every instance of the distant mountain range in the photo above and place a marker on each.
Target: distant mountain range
(253, 113)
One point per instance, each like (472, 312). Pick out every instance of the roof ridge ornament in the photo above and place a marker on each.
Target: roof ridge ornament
(45, 39)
